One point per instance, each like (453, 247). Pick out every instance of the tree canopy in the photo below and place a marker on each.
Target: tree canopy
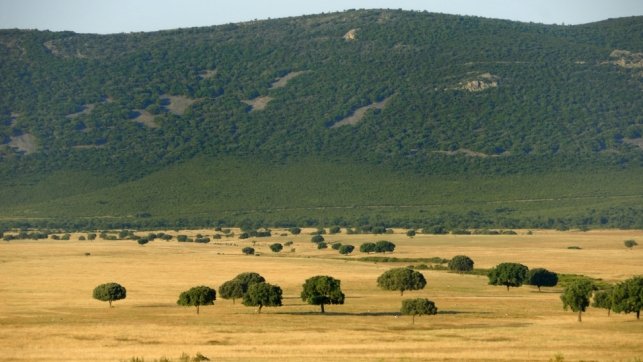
(460, 264)
(321, 290)
(109, 292)
(197, 296)
(418, 307)
(262, 295)
(231, 289)
(401, 279)
(627, 296)
(542, 277)
(508, 274)
(576, 296)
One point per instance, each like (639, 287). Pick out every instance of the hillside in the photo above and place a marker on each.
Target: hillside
(386, 106)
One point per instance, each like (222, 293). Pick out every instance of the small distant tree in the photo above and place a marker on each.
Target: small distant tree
(367, 248)
(576, 296)
(317, 239)
(630, 243)
(322, 245)
(91, 236)
(321, 290)
(383, 246)
(142, 241)
(460, 264)
(603, 299)
(508, 274)
(295, 230)
(418, 307)
(276, 247)
(336, 246)
(401, 279)
(541, 277)
(262, 295)
(334, 230)
(346, 249)
(232, 289)
(109, 292)
(628, 296)
(197, 296)
(410, 233)
(248, 250)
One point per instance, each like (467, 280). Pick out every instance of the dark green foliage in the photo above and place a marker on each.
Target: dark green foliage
(109, 292)
(630, 243)
(288, 243)
(142, 241)
(232, 289)
(576, 296)
(418, 307)
(508, 274)
(627, 296)
(334, 230)
(317, 239)
(197, 296)
(248, 250)
(603, 299)
(367, 248)
(541, 277)
(460, 264)
(410, 233)
(295, 230)
(321, 290)
(262, 295)
(276, 247)
(384, 246)
(336, 246)
(346, 249)
(322, 245)
(401, 279)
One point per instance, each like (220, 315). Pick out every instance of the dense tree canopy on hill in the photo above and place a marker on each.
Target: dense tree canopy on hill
(447, 95)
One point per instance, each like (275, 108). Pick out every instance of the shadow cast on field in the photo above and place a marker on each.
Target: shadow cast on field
(334, 314)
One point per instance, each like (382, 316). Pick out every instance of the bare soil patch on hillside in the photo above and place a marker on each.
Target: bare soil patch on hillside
(359, 113)
(283, 81)
(26, 143)
(634, 141)
(178, 104)
(259, 103)
(208, 73)
(145, 118)
(86, 109)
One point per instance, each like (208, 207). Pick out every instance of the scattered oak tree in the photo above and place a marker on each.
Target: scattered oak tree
(232, 289)
(197, 296)
(317, 239)
(262, 295)
(576, 296)
(367, 248)
(295, 230)
(346, 249)
(401, 279)
(630, 243)
(627, 296)
(418, 307)
(248, 250)
(542, 277)
(109, 292)
(508, 274)
(603, 299)
(276, 247)
(383, 246)
(410, 233)
(460, 264)
(321, 290)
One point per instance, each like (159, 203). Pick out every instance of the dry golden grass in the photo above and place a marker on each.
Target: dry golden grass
(47, 313)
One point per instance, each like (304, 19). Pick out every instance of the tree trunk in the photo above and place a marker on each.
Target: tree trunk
(539, 288)
(608, 312)
(322, 308)
(197, 310)
(579, 317)
(638, 314)
(507, 287)
(259, 310)
(110, 303)
(402, 292)
(233, 301)
(413, 320)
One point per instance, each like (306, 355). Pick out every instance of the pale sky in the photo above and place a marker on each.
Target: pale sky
(116, 16)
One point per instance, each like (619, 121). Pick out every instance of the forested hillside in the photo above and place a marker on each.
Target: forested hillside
(396, 100)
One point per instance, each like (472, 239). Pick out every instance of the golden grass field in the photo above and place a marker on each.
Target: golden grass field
(47, 312)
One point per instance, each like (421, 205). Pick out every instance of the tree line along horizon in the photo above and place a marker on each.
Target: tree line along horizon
(254, 291)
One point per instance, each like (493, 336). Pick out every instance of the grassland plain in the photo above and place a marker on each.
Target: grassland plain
(47, 313)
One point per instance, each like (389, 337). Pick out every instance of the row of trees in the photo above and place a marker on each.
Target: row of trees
(625, 297)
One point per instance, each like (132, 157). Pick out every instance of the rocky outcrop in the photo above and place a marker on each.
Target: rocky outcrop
(351, 35)
(479, 83)
(627, 59)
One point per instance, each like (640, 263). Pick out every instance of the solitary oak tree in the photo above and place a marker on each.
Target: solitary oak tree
(321, 290)
(419, 306)
(197, 296)
(628, 296)
(460, 264)
(109, 292)
(401, 279)
(576, 296)
(508, 274)
(542, 277)
(630, 243)
(262, 295)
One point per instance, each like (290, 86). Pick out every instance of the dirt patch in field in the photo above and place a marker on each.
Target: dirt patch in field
(26, 143)
(86, 109)
(634, 141)
(178, 104)
(283, 81)
(359, 113)
(208, 73)
(259, 103)
(145, 118)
